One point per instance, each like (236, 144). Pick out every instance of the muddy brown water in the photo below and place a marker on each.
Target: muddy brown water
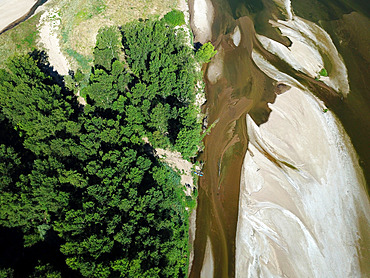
(244, 89)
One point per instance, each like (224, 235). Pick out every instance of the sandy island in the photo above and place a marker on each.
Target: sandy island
(202, 14)
(308, 42)
(208, 264)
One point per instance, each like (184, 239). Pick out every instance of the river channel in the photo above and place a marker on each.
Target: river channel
(241, 88)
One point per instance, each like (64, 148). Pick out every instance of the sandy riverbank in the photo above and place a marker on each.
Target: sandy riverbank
(310, 43)
(302, 195)
(303, 207)
(10, 11)
(184, 167)
(201, 14)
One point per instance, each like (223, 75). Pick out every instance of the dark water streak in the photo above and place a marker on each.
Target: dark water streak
(243, 88)
(226, 145)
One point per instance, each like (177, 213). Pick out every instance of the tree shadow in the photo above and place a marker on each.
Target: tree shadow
(42, 59)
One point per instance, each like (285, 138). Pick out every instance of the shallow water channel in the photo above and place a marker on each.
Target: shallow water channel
(243, 88)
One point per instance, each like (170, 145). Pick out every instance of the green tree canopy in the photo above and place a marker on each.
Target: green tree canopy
(205, 53)
(175, 18)
(80, 178)
(107, 47)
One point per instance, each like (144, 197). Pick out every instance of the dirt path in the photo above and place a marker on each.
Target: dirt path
(48, 28)
(184, 167)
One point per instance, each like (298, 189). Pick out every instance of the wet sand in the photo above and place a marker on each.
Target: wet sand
(201, 15)
(216, 191)
(303, 207)
(208, 264)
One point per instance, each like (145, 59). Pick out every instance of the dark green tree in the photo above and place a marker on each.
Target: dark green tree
(107, 47)
(81, 178)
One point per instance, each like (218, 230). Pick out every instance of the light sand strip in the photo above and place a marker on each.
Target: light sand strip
(11, 10)
(48, 28)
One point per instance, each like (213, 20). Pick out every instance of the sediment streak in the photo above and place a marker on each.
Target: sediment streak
(302, 197)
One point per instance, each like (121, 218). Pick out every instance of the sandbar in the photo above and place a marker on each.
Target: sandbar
(302, 195)
(202, 14)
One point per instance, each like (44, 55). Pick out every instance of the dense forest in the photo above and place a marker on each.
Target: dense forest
(81, 192)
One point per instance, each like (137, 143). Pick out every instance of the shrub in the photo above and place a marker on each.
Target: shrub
(175, 18)
(205, 53)
(323, 72)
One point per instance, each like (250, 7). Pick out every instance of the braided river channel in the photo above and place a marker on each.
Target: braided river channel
(285, 191)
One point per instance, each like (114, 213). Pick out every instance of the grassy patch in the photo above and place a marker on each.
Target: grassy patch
(323, 72)
(80, 22)
(21, 39)
(91, 9)
(83, 61)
